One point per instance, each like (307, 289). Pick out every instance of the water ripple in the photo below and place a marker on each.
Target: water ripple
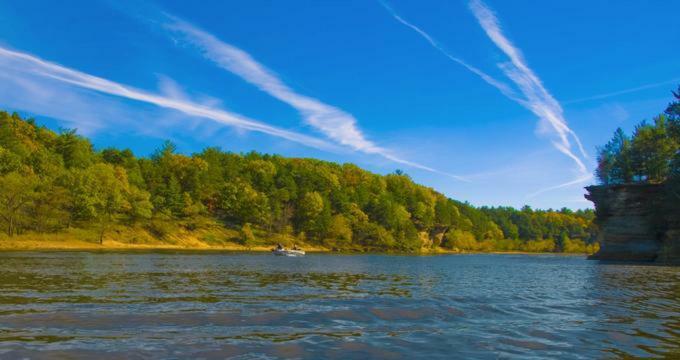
(179, 305)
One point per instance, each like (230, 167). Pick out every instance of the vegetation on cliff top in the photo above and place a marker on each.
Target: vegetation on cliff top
(57, 183)
(651, 155)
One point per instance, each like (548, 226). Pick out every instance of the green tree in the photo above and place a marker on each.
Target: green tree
(48, 207)
(74, 149)
(190, 208)
(140, 204)
(673, 109)
(17, 191)
(9, 161)
(615, 160)
(309, 210)
(240, 203)
(460, 240)
(652, 150)
(247, 236)
(651, 155)
(339, 232)
(109, 195)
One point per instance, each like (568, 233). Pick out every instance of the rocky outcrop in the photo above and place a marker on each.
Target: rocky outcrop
(636, 223)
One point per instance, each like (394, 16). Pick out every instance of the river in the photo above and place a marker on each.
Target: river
(150, 305)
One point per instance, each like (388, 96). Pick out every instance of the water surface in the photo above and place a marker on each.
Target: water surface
(243, 306)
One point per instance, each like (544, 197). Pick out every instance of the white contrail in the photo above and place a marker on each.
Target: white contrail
(22, 62)
(502, 87)
(621, 92)
(538, 99)
(579, 180)
(28, 63)
(333, 122)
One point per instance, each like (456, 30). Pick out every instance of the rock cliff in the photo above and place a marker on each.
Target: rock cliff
(637, 223)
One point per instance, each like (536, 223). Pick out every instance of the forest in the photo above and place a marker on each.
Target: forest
(58, 184)
(650, 155)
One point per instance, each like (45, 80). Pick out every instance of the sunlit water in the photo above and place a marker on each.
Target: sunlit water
(191, 305)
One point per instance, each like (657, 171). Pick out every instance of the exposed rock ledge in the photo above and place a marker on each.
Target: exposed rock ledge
(636, 223)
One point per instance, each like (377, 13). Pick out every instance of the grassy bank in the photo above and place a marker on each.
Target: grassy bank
(206, 234)
(216, 239)
(163, 236)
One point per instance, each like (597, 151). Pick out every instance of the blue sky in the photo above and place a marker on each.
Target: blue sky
(496, 103)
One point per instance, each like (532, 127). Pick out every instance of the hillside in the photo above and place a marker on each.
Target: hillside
(58, 187)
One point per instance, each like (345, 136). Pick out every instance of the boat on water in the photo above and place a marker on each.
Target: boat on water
(288, 252)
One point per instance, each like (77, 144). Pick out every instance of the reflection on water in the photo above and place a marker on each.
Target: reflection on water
(175, 305)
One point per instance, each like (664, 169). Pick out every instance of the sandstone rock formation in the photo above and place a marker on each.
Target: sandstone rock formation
(636, 223)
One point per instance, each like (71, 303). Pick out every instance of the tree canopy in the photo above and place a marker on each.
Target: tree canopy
(51, 181)
(650, 155)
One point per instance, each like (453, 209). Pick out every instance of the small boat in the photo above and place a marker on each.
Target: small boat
(288, 252)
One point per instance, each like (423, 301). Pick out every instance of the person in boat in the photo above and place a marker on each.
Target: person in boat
(279, 246)
(295, 247)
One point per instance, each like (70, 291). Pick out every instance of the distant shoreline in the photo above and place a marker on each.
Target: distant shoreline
(58, 186)
(10, 245)
(110, 245)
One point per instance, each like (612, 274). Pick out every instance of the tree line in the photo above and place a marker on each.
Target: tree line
(650, 155)
(54, 181)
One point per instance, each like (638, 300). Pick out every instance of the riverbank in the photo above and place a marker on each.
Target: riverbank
(440, 251)
(59, 243)
(78, 245)
(208, 237)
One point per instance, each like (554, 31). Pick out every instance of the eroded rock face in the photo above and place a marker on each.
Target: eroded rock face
(635, 223)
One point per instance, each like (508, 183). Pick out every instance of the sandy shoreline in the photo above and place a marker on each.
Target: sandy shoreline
(77, 245)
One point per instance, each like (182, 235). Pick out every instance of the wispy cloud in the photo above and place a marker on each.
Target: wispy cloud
(16, 63)
(40, 96)
(22, 62)
(538, 99)
(533, 96)
(501, 86)
(579, 180)
(333, 122)
(622, 92)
